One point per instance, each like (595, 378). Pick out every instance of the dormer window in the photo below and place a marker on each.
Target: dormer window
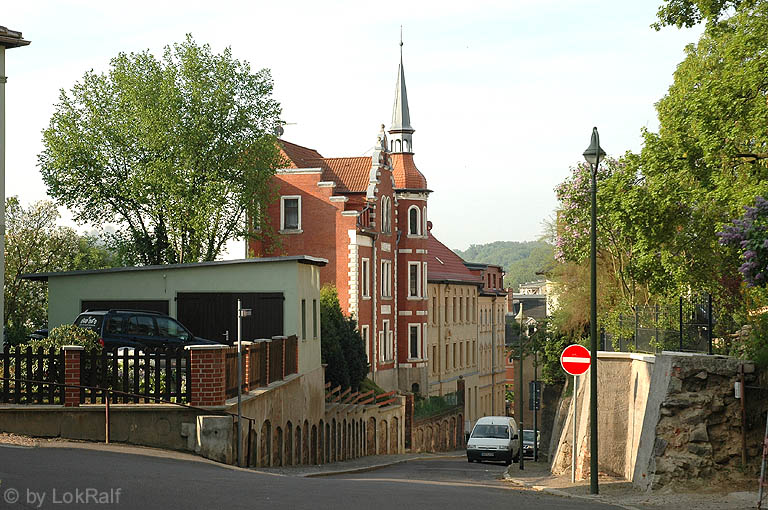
(414, 221)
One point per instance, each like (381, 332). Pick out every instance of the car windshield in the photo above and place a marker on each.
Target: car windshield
(528, 436)
(491, 431)
(169, 328)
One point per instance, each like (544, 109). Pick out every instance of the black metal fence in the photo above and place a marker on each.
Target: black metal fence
(685, 326)
(24, 373)
(147, 375)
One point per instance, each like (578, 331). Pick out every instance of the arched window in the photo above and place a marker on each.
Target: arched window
(414, 222)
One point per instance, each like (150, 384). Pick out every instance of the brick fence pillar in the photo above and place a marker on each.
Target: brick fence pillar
(265, 354)
(72, 355)
(208, 367)
(281, 354)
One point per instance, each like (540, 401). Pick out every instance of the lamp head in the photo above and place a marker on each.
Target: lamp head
(519, 317)
(594, 153)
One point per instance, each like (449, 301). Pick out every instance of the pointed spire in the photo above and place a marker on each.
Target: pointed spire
(401, 129)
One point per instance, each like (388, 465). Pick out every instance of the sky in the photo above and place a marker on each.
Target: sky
(503, 95)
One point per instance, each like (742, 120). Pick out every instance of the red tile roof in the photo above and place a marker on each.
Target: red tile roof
(349, 174)
(405, 172)
(444, 265)
(297, 155)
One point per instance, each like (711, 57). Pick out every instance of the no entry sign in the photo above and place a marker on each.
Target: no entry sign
(575, 359)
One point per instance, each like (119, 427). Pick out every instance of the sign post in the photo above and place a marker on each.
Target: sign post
(241, 312)
(575, 360)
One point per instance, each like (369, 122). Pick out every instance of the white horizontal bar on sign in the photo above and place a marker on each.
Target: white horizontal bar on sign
(577, 360)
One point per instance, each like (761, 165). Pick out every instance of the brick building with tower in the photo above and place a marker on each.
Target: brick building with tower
(368, 217)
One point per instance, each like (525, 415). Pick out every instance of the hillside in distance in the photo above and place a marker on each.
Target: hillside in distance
(520, 259)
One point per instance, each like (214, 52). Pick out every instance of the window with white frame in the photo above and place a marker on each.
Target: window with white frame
(424, 281)
(365, 278)
(290, 213)
(414, 221)
(414, 279)
(424, 220)
(414, 341)
(365, 334)
(386, 348)
(386, 278)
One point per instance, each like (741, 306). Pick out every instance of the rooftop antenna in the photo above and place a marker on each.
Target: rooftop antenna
(401, 43)
(279, 130)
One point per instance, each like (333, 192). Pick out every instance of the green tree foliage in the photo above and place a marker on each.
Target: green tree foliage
(659, 211)
(175, 151)
(342, 346)
(687, 13)
(35, 244)
(520, 260)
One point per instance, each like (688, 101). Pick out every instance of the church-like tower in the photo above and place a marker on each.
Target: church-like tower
(401, 132)
(411, 194)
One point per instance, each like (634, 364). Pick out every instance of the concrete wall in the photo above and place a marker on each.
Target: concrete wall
(160, 426)
(623, 383)
(669, 419)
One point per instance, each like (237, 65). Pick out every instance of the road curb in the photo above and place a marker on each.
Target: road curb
(364, 469)
(562, 493)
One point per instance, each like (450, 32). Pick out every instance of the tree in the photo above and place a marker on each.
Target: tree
(176, 151)
(35, 244)
(342, 346)
(660, 211)
(520, 260)
(687, 13)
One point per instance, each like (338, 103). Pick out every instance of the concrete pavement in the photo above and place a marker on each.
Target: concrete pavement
(616, 491)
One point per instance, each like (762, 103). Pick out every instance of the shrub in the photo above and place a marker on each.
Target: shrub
(341, 345)
(68, 334)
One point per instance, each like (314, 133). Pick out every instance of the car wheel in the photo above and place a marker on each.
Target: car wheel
(469, 460)
(508, 462)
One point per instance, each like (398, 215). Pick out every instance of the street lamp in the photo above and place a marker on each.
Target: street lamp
(520, 317)
(593, 155)
(8, 39)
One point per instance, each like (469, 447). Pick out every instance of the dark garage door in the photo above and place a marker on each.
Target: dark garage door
(159, 305)
(210, 314)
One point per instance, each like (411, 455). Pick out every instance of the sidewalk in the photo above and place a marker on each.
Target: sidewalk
(622, 493)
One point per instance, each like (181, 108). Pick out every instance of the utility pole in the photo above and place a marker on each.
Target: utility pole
(8, 39)
(521, 461)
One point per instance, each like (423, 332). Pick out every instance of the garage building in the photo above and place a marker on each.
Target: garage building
(283, 292)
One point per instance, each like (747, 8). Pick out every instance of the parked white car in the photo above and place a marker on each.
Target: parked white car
(494, 438)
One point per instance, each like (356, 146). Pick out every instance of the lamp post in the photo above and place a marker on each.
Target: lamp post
(8, 39)
(536, 396)
(521, 463)
(593, 155)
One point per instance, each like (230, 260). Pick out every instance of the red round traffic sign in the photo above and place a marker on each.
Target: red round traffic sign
(575, 359)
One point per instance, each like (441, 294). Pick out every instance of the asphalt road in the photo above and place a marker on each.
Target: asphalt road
(78, 478)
